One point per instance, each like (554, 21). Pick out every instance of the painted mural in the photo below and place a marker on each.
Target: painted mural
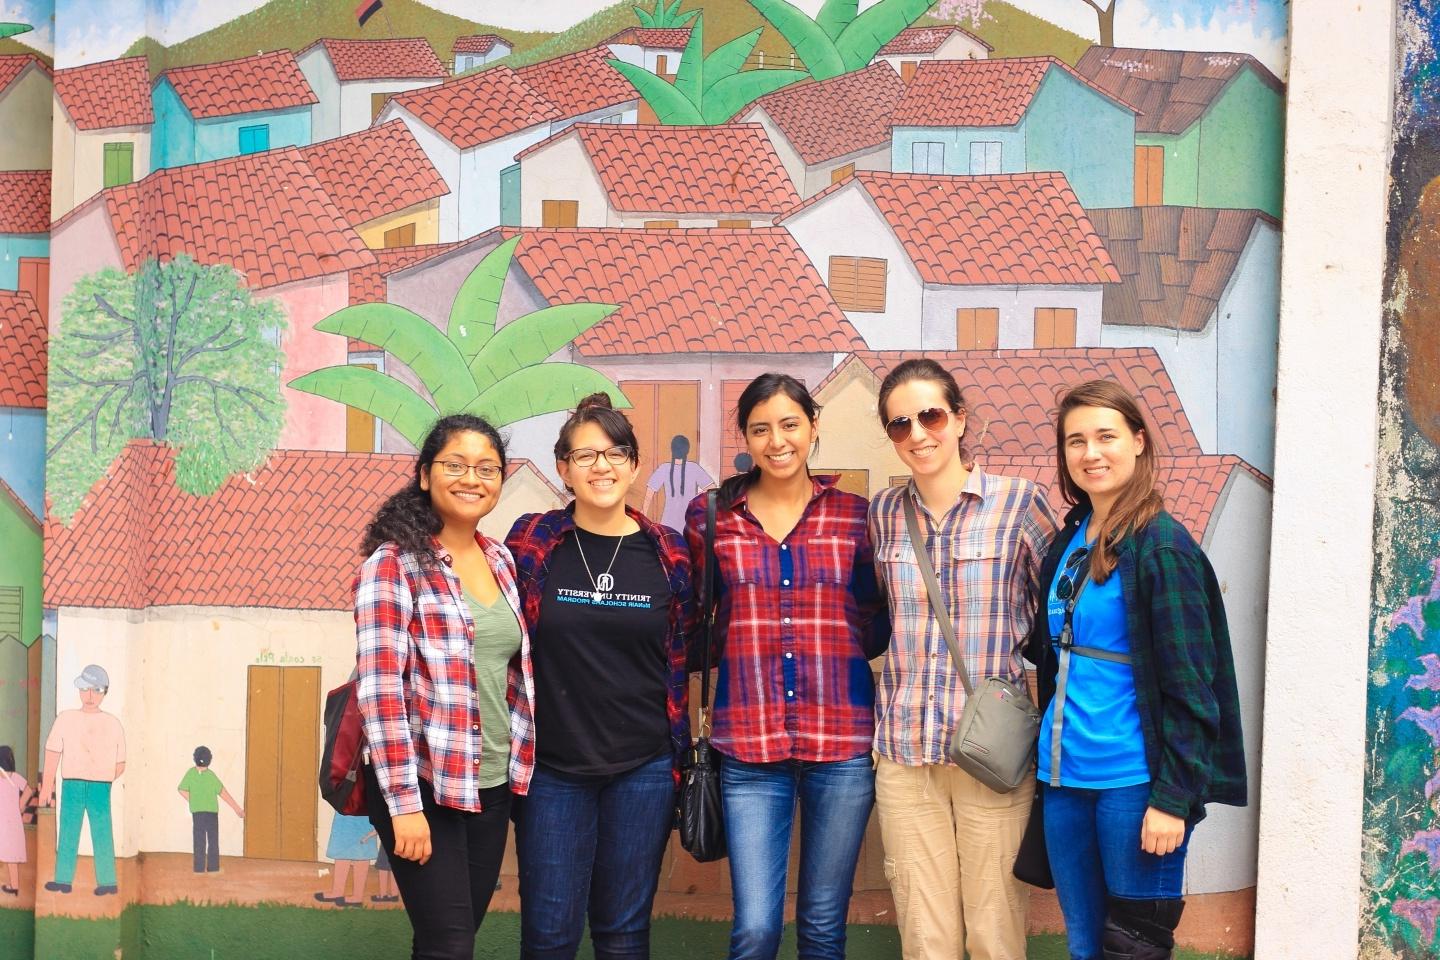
(248, 251)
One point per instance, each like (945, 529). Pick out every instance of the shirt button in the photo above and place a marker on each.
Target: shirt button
(475, 727)
(789, 656)
(785, 583)
(786, 620)
(789, 693)
(477, 759)
(784, 546)
(932, 700)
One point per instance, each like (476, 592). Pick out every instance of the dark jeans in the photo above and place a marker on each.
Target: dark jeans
(448, 896)
(206, 830)
(592, 845)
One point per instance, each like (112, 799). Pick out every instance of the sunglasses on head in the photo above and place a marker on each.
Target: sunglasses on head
(931, 418)
(1065, 586)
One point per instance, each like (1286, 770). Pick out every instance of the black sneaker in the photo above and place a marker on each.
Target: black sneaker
(56, 887)
(106, 889)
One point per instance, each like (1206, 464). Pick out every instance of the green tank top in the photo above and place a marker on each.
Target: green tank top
(497, 640)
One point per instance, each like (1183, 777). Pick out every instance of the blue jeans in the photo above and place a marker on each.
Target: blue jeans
(835, 801)
(592, 845)
(1093, 838)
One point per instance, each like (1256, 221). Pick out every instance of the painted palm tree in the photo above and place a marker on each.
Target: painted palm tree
(665, 16)
(707, 90)
(470, 367)
(840, 38)
(14, 29)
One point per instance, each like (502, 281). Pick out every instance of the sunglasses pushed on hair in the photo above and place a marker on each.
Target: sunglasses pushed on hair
(931, 418)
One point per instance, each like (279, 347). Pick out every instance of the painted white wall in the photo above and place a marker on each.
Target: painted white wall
(789, 157)
(1248, 319)
(479, 189)
(1190, 359)
(446, 158)
(469, 61)
(647, 57)
(562, 170)
(355, 110)
(628, 112)
(1017, 306)
(957, 47)
(320, 74)
(79, 172)
(818, 176)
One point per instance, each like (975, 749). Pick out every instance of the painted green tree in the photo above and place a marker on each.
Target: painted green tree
(178, 353)
(470, 366)
(665, 16)
(707, 90)
(14, 29)
(840, 38)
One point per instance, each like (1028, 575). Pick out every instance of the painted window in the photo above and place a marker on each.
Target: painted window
(360, 432)
(403, 236)
(1054, 327)
(12, 608)
(510, 196)
(662, 224)
(977, 328)
(907, 70)
(858, 283)
(927, 157)
(559, 213)
(119, 164)
(733, 224)
(985, 156)
(255, 139)
(840, 173)
(662, 68)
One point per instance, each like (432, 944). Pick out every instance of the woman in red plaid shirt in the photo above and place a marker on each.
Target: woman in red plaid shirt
(445, 686)
(799, 617)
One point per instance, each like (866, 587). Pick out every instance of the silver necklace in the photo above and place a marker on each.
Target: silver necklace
(604, 583)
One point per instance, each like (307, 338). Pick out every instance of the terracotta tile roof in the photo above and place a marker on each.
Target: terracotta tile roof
(12, 65)
(689, 291)
(1171, 89)
(24, 201)
(579, 82)
(1174, 262)
(479, 107)
(268, 81)
(657, 38)
(729, 168)
(367, 284)
(407, 58)
(23, 340)
(978, 93)
(1014, 393)
(913, 40)
(481, 43)
(112, 93)
(375, 172)
(265, 214)
(834, 117)
(1012, 228)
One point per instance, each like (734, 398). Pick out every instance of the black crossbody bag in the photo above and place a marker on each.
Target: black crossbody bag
(702, 816)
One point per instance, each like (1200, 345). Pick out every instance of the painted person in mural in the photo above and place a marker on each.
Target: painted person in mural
(1145, 728)
(675, 483)
(944, 831)
(799, 617)
(14, 792)
(445, 685)
(608, 600)
(202, 790)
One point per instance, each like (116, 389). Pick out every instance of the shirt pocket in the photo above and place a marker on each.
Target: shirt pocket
(824, 560)
(899, 566)
(982, 569)
(441, 625)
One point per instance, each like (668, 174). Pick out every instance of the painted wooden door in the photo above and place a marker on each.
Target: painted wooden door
(35, 280)
(360, 425)
(282, 754)
(510, 196)
(1149, 176)
(663, 409)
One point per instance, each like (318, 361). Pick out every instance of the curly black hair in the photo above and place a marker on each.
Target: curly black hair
(408, 519)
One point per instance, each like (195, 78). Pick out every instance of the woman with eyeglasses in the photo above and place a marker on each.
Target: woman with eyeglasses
(1145, 727)
(445, 685)
(950, 840)
(798, 620)
(607, 600)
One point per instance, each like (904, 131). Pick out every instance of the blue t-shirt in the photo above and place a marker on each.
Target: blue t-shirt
(1102, 745)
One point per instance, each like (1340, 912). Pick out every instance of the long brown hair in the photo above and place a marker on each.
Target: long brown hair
(1139, 502)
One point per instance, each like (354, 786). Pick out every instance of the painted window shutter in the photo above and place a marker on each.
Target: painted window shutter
(927, 157)
(119, 164)
(559, 213)
(985, 156)
(977, 328)
(858, 283)
(255, 139)
(1054, 327)
(841, 172)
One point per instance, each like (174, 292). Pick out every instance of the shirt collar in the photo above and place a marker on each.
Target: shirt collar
(820, 482)
(975, 486)
(443, 555)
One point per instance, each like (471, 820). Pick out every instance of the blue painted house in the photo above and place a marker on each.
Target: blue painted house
(216, 110)
(25, 235)
(1016, 115)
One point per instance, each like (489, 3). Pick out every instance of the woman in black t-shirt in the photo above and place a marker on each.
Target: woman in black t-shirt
(607, 599)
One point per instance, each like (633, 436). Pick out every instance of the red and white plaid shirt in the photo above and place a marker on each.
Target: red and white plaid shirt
(415, 641)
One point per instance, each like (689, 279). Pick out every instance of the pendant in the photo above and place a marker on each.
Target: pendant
(605, 584)
(596, 596)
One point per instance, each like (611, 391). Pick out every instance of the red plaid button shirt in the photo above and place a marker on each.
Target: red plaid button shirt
(417, 679)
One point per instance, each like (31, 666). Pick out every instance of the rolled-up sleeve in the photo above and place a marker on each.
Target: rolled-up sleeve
(383, 606)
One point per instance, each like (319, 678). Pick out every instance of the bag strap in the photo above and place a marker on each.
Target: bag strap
(932, 589)
(707, 600)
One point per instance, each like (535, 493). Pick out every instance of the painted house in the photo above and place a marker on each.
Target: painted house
(1202, 287)
(396, 202)
(215, 110)
(26, 89)
(352, 79)
(103, 121)
(25, 234)
(584, 88)
(916, 45)
(1020, 114)
(660, 176)
(23, 338)
(1006, 261)
(657, 49)
(285, 235)
(1210, 130)
(828, 130)
(479, 49)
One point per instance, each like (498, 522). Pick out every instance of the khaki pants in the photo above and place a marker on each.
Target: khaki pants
(950, 844)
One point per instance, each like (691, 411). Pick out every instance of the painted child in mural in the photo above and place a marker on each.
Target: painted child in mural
(608, 601)
(203, 792)
(676, 482)
(1146, 728)
(86, 751)
(352, 846)
(944, 831)
(445, 685)
(384, 877)
(14, 793)
(800, 616)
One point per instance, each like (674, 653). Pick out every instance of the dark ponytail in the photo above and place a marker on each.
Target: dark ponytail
(759, 390)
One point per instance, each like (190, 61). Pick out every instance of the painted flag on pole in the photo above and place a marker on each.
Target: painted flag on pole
(366, 10)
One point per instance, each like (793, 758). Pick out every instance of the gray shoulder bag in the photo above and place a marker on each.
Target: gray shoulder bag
(995, 741)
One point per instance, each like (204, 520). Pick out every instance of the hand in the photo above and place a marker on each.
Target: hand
(240, 812)
(1161, 832)
(412, 837)
(47, 795)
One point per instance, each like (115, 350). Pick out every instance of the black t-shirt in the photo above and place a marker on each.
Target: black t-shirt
(601, 665)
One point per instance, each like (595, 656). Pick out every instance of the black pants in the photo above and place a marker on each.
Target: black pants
(206, 830)
(448, 896)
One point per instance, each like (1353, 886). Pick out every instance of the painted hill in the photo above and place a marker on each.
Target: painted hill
(10, 46)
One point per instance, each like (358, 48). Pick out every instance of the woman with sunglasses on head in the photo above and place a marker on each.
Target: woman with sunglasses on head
(799, 616)
(444, 685)
(1145, 727)
(607, 599)
(950, 840)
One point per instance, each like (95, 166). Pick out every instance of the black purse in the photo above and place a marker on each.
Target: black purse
(702, 817)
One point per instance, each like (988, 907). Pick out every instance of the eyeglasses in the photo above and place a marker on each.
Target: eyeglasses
(585, 457)
(931, 418)
(1065, 588)
(484, 471)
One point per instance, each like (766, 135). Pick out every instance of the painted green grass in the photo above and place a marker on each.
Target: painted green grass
(9, 46)
(17, 927)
